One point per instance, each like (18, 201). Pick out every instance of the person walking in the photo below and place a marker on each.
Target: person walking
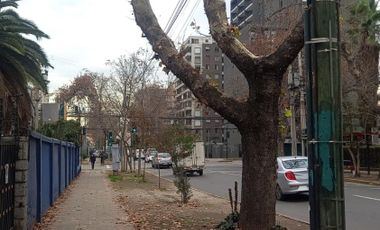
(103, 156)
(92, 159)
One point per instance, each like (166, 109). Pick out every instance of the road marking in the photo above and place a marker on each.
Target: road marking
(366, 197)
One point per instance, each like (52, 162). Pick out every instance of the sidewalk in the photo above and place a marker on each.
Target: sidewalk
(91, 204)
(363, 179)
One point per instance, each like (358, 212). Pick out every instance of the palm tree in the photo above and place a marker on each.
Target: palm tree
(364, 21)
(21, 60)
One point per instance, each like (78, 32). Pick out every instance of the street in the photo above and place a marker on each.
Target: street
(362, 201)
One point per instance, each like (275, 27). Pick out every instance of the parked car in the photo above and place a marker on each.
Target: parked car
(139, 154)
(150, 155)
(162, 159)
(150, 152)
(292, 176)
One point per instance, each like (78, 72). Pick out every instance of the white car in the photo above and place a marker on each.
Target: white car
(292, 176)
(150, 156)
(139, 154)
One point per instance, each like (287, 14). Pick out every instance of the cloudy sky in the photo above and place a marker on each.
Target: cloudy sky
(84, 34)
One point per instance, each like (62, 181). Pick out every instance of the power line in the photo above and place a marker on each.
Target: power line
(186, 23)
(182, 5)
(172, 15)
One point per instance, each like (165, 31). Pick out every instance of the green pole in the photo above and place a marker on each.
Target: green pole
(325, 116)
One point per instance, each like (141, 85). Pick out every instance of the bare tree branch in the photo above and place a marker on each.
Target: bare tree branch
(287, 51)
(229, 108)
(223, 34)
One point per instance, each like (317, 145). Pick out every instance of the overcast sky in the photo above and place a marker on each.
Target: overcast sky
(84, 34)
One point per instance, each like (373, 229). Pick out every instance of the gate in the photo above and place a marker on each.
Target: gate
(8, 153)
(9, 145)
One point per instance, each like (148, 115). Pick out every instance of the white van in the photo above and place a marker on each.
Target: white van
(196, 161)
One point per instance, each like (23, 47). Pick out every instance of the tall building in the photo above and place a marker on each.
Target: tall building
(204, 55)
(253, 17)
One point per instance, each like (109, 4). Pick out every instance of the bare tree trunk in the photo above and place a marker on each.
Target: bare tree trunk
(353, 159)
(357, 174)
(259, 142)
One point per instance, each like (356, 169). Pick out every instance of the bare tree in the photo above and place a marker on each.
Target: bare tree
(130, 74)
(360, 60)
(256, 116)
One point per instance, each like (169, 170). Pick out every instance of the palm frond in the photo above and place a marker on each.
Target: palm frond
(9, 3)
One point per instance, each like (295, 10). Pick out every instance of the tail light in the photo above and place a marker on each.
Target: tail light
(290, 175)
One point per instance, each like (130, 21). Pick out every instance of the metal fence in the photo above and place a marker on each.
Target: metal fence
(8, 153)
(53, 164)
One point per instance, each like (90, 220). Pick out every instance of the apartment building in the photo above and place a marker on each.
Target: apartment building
(204, 55)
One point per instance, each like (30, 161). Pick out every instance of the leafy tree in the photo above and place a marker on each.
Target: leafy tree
(256, 116)
(21, 59)
(63, 130)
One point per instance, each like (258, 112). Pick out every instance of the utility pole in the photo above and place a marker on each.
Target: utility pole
(324, 115)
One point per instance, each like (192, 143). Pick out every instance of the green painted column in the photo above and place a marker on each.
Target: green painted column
(324, 115)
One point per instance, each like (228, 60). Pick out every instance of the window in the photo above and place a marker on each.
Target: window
(207, 76)
(208, 121)
(197, 50)
(207, 66)
(216, 76)
(217, 59)
(216, 67)
(207, 48)
(194, 41)
(197, 60)
(197, 113)
(197, 123)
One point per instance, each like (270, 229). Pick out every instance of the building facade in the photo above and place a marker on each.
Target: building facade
(204, 55)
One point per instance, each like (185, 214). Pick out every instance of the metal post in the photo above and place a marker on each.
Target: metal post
(324, 116)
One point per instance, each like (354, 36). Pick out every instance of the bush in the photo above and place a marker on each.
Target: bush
(63, 130)
(182, 182)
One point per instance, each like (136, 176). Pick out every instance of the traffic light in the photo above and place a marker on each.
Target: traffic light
(134, 130)
(110, 137)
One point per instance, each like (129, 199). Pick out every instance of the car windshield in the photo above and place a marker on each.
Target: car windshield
(164, 155)
(295, 163)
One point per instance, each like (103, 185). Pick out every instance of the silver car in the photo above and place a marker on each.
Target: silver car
(162, 159)
(292, 176)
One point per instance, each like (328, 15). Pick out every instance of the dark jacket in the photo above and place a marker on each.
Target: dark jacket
(92, 158)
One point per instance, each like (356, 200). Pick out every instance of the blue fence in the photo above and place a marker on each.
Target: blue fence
(53, 164)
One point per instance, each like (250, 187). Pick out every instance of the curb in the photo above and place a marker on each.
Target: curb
(293, 218)
(352, 180)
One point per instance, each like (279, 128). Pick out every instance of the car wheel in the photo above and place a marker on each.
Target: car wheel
(200, 172)
(152, 165)
(279, 194)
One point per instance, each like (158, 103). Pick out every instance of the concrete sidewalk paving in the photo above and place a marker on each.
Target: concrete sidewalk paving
(91, 204)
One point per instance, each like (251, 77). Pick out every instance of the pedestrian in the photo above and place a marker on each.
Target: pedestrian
(92, 159)
(103, 156)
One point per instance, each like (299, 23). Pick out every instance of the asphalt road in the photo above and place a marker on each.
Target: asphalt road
(362, 201)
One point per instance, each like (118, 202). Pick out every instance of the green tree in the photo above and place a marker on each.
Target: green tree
(63, 130)
(22, 60)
